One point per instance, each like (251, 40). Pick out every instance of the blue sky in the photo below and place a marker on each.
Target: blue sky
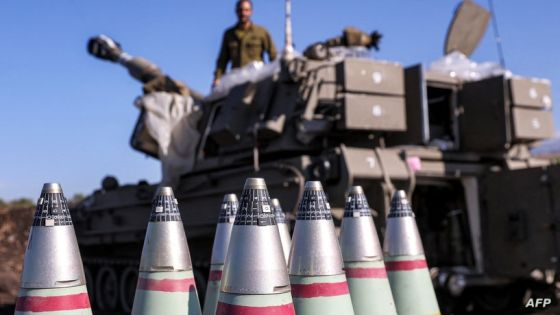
(67, 117)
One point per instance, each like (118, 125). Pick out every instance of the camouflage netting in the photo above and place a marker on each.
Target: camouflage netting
(14, 230)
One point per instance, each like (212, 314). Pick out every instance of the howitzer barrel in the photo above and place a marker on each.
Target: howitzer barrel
(104, 47)
(143, 70)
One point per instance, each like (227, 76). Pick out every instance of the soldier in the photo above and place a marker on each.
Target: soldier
(244, 42)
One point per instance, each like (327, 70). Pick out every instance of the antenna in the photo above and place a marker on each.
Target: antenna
(288, 52)
(497, 34)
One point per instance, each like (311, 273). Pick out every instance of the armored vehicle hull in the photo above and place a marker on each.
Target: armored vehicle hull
(479, 224)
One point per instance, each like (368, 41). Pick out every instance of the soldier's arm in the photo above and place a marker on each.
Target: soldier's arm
(223, 59)
(269, 47)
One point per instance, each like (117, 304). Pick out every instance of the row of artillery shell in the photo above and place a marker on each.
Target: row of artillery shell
(322, 278)
(252, 271)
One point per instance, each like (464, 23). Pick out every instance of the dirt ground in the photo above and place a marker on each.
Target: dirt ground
(14, 230)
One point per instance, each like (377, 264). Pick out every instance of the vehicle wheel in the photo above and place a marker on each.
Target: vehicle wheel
(106, 288)
(127, 287)
(89, 284)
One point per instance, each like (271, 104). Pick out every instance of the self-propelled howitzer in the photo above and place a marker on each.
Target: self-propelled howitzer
(460, 148)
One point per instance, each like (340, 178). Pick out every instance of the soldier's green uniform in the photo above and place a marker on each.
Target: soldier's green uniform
(241, 46)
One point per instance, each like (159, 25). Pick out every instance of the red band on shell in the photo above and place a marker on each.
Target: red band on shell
(379, 273)
(405, 265)
(215, 275)
(230, 309)
(52, 303)
(313, 290)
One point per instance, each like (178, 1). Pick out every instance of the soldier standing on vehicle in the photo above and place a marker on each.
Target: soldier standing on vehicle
(244, 42)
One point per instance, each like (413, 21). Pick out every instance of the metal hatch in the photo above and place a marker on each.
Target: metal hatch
(467, 28)
(520, 209)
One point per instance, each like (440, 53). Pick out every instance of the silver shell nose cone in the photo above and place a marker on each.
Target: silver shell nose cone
(165, 191)
(315, 185)
(228, 209)
(165, 245)
(278, 212)
(358, 236)
(52, 258)
(401, 236)
(51, 188)
(356, 190)
(222, 237)
(255, 262)
(315, 250)
(165, 248)
(400, 207)
(221, 243)
(52, 207)
(255, 206)
(254, 183)
(165, 206)
(283, 228)
(230, 198)
(359, 241)
(356, 203)
(314, 204)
